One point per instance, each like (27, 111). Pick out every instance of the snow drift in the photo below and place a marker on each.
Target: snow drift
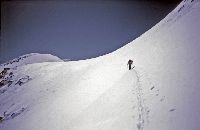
(160, 93)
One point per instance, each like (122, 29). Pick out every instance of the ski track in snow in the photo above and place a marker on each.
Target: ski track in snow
(142, 112)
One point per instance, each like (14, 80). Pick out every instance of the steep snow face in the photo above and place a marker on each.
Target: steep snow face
(30, 59)
(160, 93)
(169, 55)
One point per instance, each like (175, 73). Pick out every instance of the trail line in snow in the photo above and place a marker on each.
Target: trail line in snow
(142, 114)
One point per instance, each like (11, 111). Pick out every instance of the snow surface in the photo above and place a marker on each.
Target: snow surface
(160, 93)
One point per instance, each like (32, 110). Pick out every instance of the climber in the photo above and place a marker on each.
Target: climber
(129, 64)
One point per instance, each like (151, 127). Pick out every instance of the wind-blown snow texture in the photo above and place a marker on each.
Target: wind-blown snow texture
(160, 93)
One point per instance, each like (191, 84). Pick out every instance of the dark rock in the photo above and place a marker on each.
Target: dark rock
(23, 80)
(152, 88)
(171, 110)
(1, 119)
(3, 82)
(1, 76)
(9, 83)
(11, 73)
(19, 82)
(6, 68)
(4, 72)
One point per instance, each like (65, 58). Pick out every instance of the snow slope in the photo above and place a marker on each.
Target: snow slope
(160, 93)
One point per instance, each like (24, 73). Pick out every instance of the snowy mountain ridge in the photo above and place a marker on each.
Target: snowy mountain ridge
(160, 93)
(30, 59)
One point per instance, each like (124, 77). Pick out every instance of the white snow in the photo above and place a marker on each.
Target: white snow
(160, 93)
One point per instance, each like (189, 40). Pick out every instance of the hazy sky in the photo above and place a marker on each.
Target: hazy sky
(75, 29)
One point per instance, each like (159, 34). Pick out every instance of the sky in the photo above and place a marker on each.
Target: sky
(76, 29)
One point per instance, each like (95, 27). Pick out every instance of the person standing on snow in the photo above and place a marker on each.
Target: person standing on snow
(129, 64)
